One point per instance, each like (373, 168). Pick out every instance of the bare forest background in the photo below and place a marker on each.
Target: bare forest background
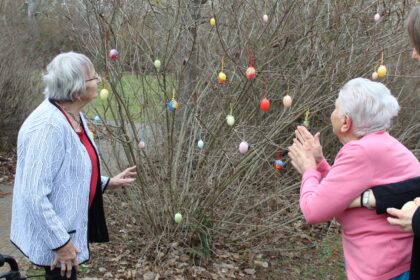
(307, 49)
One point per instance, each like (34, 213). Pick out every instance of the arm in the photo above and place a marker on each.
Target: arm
(391, 195)
(347, 178)
(323, 167)
(41, 150)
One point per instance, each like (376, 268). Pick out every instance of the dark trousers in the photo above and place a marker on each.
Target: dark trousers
(55, 274)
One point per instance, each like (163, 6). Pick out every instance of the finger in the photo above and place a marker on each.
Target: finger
(297, 143)
(394, 221)
(75, 264)
(299, 136)
(54, 263)
(317, 138)
(394, 212)
(417, 201)
(131, 168)
(63, 269)
(69, 266)
(305, 132)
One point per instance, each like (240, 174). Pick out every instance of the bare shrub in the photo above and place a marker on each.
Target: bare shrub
(316, 46)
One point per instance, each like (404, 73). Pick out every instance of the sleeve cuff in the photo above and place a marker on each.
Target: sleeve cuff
(105, 183)
(416, 222)
(322, 165)
(58, 248)
(311, 173)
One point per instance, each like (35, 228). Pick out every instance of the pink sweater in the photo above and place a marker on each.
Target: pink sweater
(373, 249)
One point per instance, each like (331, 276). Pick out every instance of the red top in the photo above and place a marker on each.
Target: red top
(92, 154)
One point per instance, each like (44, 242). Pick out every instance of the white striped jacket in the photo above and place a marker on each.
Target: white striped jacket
(52, 185)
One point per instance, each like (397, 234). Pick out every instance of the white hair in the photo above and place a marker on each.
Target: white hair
(369, 104)
(66, 74)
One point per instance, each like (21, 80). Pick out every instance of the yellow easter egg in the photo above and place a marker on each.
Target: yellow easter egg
(381, 71)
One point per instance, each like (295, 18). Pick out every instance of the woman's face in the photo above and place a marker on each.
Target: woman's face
(415, 55)
(91, 82)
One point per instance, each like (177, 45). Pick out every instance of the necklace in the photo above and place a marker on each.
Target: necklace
(74, 116)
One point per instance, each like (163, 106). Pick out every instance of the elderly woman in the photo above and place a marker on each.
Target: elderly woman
(373, 249)
(57, 198)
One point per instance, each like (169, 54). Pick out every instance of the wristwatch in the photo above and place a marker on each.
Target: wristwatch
(365, 199)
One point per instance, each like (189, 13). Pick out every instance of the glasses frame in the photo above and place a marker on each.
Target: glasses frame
(94, 78)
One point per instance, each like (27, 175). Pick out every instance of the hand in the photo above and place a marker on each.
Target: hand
(123, 179)
(403, 218)
(310, 142)
(66, 257)
(302, 157)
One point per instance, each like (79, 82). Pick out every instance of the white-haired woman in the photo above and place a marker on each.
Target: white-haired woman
(57, 198)
(373, 249)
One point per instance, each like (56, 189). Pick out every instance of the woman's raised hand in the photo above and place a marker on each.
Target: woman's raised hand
(309, 142)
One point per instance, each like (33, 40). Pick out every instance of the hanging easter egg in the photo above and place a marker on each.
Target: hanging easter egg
(157, 64)
(251, 73)
(377, 17)
(212, 22)
(287, 101)
(278, 164)
(178, 218)
(265, 18)
(113, 54)
(243, 147)
(306, 123)
(374, 75)
(173, 105)
(142, 145)
(381, 71)
(97, 120)
(230, 120)
(221, 78)
(104, 94)
(200, 144)
(265, 104)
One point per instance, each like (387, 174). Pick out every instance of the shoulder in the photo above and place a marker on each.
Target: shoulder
(45, 119)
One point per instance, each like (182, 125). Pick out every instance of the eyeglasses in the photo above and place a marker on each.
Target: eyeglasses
(96, 77)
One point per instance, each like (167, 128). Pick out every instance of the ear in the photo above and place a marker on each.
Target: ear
(346, 124)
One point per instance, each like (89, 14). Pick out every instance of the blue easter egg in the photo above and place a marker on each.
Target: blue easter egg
(173, 105)
(278, 164)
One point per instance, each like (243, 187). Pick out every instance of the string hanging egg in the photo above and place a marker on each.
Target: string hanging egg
(142, 144)
(221, 78)
(97, 120)
(178, 218)
(212, 22)
(382, 71)
(376, 17)
(157, 64)
(265, 103)
(243, 147)
(113, 54)
(278, 163)
(173, 105)
(287, 100)
(251, 73)
(265, 18)
(103, 94)
(200, 144)
(375, 75)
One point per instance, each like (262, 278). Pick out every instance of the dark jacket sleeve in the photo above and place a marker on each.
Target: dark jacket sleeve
(396, 194)
(416, 223)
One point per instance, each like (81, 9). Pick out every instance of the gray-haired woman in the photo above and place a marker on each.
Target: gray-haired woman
(57, 198)
(373, 249)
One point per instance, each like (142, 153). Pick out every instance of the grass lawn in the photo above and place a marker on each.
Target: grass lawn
(136, 93)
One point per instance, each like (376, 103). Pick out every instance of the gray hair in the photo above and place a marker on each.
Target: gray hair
(369, 104)
(66, 74)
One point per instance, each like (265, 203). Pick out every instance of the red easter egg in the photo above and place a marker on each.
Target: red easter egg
(265, 104)
(251, 73)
